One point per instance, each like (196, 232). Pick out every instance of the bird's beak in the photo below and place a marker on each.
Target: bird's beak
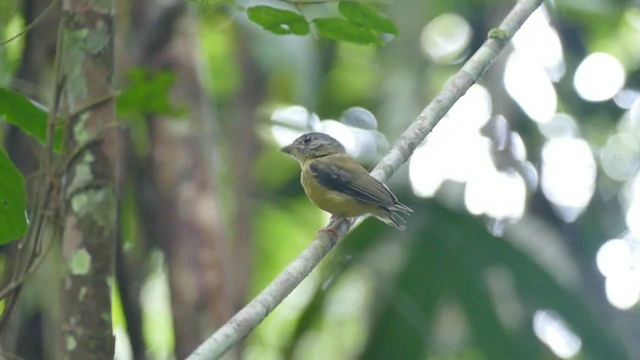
(287, 149)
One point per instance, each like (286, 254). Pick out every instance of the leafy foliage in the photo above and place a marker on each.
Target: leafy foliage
(278, 21)
(13, 201)
(341, 29)
(18, 110)
(361, 23)
(448, 257)
(147, 93)
(367, 16)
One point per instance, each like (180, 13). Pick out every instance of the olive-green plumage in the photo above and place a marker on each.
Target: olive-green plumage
(340, 185)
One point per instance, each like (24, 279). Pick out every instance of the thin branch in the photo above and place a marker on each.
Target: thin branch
(35, 22)
(253, 313)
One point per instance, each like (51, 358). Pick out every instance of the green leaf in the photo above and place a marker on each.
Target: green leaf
(147, 93)
(13, 201)
(18, 110)
(367, 16)
(341, 29)
(278, 21)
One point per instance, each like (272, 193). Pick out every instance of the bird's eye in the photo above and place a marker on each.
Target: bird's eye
(306, 139)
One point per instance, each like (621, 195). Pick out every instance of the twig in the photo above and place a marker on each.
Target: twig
(45, 189)
(253, 313)
(35, 22)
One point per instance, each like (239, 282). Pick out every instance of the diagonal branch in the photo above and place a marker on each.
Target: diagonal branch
(253, 313)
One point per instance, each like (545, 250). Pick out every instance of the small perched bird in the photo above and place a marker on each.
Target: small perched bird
(340, 185)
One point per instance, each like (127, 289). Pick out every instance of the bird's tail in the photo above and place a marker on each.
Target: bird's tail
(400, 207)
(390, 215)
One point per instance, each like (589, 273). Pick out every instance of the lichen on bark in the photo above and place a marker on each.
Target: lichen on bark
(87, 64)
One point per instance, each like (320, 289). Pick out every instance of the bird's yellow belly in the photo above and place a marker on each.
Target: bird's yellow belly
(332, 201)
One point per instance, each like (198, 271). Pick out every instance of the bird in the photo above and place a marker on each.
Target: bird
(341, 186)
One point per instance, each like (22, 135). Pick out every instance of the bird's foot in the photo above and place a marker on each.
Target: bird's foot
(334, 221)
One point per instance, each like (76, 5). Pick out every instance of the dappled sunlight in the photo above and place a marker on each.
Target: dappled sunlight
(614, 258)
(599, 77)
(536, 61)
(446, 37)
(527, 82)
(568, 175)
(456, 150)
(539, 41)
(472, 110)
(559, 126)
(623, 292)
(155, 301)
(553, 331)
(122, 344)
(626, 97)
(341, 132)
(295, 116)
(480, 194)
(619, 262)
(425, 174)
(630, 122)
(356, 130)
(284, 135)
(620, 157)
(632, 216)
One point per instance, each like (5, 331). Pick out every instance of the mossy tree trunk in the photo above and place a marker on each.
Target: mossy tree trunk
(87, 66)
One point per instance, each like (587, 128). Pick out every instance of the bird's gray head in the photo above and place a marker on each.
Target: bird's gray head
(313, 145)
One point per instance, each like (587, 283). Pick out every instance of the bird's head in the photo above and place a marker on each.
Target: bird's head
(313, 145)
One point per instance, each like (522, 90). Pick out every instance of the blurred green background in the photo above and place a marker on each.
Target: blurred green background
(524, 243)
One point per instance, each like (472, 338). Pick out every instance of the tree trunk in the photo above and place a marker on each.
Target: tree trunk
(184, 217)
(87, 66)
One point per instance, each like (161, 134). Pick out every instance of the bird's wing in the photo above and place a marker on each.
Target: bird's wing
(348, 177)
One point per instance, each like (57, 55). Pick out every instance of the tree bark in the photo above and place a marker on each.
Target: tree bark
(90, 200)
(183, 216)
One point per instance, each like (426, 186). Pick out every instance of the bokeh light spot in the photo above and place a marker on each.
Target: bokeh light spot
(623, 292)
(553, 331)
(599, 77)
(568, 175)
(528, 84)
(614, 257)
(560, 125)
(446, 37)
(620, 157)
(539, 41)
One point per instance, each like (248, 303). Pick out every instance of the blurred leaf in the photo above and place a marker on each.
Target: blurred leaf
(465, 271)
(367, 16)
(400, 329)
(448, 255)
(146, 93)
(13, 201)
(23, 113)
(278, 21)
(341, 29)
(542, 291)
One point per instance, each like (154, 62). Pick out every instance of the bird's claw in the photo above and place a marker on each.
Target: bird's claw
(334, 221)
(330, 230)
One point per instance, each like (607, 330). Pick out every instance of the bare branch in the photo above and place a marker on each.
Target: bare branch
(253, 313)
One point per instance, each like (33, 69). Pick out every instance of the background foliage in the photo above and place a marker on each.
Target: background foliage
(524, 240)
